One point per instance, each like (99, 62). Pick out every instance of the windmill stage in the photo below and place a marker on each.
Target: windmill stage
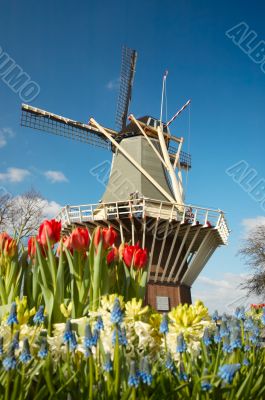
(149, 206)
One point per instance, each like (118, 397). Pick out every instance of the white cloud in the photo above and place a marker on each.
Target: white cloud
(5, 134)
(51, 208)
(224, 294)
(55, 176)
(14, 175)
(250, 223)
(113, 84)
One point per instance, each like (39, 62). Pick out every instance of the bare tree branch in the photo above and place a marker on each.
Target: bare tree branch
(253, 252)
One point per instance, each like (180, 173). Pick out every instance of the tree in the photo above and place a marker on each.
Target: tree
(25, 214)
(253, 252)
(5, 204)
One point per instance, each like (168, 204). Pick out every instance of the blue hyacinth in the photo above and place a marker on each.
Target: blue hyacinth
(145, 373)
(67, 335)
(240, 313)
(217, 336)
(164, 324)
(247, 347)
(43, 351)
(133, 379)
(99, 326)
(25, 355)
(73, 342)
(121, 337)
(116, 316)
(263, 316)
(169, 364)
(182, 374)
(10, 361)
(205, 384)
(227, 371)
(88, 339)
(181, 344)
(107, 366)
(15, 340)
(246, 362)
(235, 339)
(248, 324)
(12, 318)
(39, 316)
(1, 346)
(224, 331)
(215, 316)
(206, 337)
(226, 345)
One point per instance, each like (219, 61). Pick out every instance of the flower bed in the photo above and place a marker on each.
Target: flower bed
(82, 331)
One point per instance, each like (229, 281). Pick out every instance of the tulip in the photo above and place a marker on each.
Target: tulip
(108, 235)
(113, 255)
(79, 239)
(10, 247)
(135, 256)
(32, 247)
(50, 229)
(3, 238)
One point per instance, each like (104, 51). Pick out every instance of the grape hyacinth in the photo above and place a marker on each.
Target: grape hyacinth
(38, 318)
(169, 364)
(43, 351)
(107, 366)
(133, 379)
(206, 337)
(99, 326)
(224, 331)
(12, 318)
(10, 362)
(164, 324)
(116, 316)
(226, 345)
(25, 355)
(121, 337)
(145, 373)
(263, 316)
(240, 313)
(182, 374)
(215, 316)
(73, 342)
(181, 344)
(217, 336)
(88, 339)
(67, 336)
(235, 339)
(205, 384)
(227, 371)
(15, 341)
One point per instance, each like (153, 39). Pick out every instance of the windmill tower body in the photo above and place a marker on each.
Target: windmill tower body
(144, 197)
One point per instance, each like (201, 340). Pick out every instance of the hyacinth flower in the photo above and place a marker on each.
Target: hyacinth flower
(107, 365)
(169, 364)
(38, 318)
(25, 355)
(215, 316)
(133, 379)
(206, 337)
(205, 384)
(226, 345)
(1, 346)
(224, 331)
(9, 361)
(246, 362)
(145, 372)
(181, 344)
(122, 340)
(164, 324)
(227, 372)
(73, 342)
(99, 326)
(43, 351)
(235, 338)
(15, 340)
(217, 337)
(12, 317)
(116, 316)
(69, 337)
(248, 324)
(89, 338)
(240, 313)
(182, 374)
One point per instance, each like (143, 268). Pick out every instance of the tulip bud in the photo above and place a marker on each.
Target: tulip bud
(10, 248)
(3, 238)
(113, 255)
(50, 229)
(80, 239)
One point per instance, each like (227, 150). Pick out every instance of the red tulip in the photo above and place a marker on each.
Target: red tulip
(3, 238)
(10, 247)
(32, 247)
(135, 256)
(80, 239)
(113, 255)
(52, 229)
(108, 235)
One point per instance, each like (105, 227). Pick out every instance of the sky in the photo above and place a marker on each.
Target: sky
(72, 52)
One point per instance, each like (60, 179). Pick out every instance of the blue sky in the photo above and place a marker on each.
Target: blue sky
(73, 50)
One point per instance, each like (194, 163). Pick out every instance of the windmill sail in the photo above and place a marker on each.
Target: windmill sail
(46, 121)
(129, 58)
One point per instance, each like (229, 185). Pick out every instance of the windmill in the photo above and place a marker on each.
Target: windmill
(144, 199)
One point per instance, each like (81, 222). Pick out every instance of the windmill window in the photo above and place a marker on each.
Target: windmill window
(152, 122)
